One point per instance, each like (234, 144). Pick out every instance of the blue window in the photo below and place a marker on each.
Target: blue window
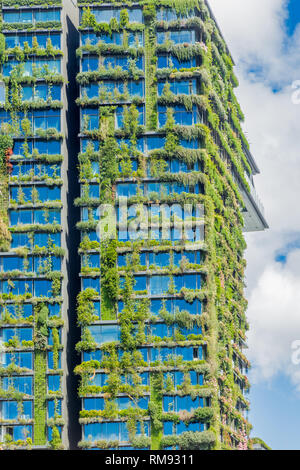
(11, 263)
(155, 142)
(42, 288)
(170, 14)
(45, 119)
(54, 310)
(91, 90)
(168, 428)
(91, 261)
(53, 383)
(111, 431)
(181, 115)
(18, 16)
(19, 147)
(23, 334)
(42, 170)
(191, 256)
(10, 410)
(21, 359)
(95, 214)
(139, 146)
(120, 115)
(93, 404)
(31, 16)
(93, 283)
(135, 39)
(94, 190)
(120, 61)
(122, 260)
(94, 39)
(21, 384)
(89, 119)
(97, 308)
(17, 288)
(178, 87)
(15, 193)
(140, 283)
(89, 64)
(51, 147)
(159, 259)
(51, 216)
(161, 330)
(159, 285)
(104, 15)
(86, 143)
(40, 67)
(92, 355)
(51, 361)
(134, 88)
(178, 403)
(46, 15)
(45, 239)
(193, 308)
(41, 92)
(98, 379)
(22, 433)
(22, 169)
(105, 333)
(17, 311)
(52, 409)
(127, 189)
(173, 62)
(50, 337)
(178, 37)
(2, 93)
(157, 304)
(48, 193)
(4, 117)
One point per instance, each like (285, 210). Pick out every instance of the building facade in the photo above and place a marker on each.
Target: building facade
(152, 320)
(34, 223)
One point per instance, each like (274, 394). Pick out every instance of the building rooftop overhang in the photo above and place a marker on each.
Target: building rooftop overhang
(253, 213)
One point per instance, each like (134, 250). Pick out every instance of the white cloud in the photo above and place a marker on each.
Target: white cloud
(256, 36)
(274, 309)
(250, 26)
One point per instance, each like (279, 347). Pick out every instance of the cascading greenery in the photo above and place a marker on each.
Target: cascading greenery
(6, 144)
(223, 318)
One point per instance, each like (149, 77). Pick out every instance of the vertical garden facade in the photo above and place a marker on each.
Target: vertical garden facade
(33, 299)
(159, 195)
(161, 307)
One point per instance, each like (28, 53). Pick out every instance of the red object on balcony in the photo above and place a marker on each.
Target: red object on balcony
(9, 165)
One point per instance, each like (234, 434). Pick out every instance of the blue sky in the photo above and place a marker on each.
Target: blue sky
(275, 407)
(293, 16)
(264, 39)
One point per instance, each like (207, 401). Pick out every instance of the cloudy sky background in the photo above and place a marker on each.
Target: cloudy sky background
(264, 38)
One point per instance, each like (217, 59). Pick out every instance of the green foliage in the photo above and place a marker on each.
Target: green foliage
(40, 391)
(109, 280)
(191, 440)
(41, 329)
(56, 443)
(85, 307)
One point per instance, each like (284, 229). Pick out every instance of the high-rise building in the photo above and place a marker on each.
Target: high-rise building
(152, 319)
(36, 53)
